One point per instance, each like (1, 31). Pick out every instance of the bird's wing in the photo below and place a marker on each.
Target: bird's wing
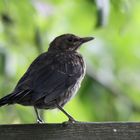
(52, 82)
(49, 79)
(25, 81)
(24, 87)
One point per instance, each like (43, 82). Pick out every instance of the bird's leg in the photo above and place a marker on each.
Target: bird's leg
(71, 119)
(39, 120)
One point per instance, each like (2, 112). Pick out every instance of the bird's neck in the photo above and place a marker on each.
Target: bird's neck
(54, 51)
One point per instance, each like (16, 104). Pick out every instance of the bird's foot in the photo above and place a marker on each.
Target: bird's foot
(39, 121)
(70, 121)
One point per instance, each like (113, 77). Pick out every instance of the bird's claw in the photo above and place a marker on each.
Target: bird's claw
(39, 121)
(70, 121)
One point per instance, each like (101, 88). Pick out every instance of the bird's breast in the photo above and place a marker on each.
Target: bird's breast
(71, 63)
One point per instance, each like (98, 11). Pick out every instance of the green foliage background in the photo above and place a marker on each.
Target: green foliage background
(110, 90)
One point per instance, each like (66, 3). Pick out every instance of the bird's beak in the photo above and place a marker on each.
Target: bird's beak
(86, 39)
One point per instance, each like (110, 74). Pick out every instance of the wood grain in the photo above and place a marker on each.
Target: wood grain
(78, 131)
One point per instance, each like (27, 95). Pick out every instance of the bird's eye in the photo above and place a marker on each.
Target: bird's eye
(70, 39)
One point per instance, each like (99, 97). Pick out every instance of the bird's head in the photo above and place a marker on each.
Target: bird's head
(68, 42)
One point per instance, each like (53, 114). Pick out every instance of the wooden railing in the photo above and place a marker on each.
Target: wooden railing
(77, 131)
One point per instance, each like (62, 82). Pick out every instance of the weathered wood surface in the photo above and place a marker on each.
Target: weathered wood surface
(78, 131)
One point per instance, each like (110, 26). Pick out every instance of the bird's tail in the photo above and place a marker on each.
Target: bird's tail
(5, 100)
(16, 97)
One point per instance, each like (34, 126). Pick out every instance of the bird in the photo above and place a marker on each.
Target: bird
(53, 78)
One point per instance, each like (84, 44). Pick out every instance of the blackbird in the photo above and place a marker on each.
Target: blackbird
(52, 78)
